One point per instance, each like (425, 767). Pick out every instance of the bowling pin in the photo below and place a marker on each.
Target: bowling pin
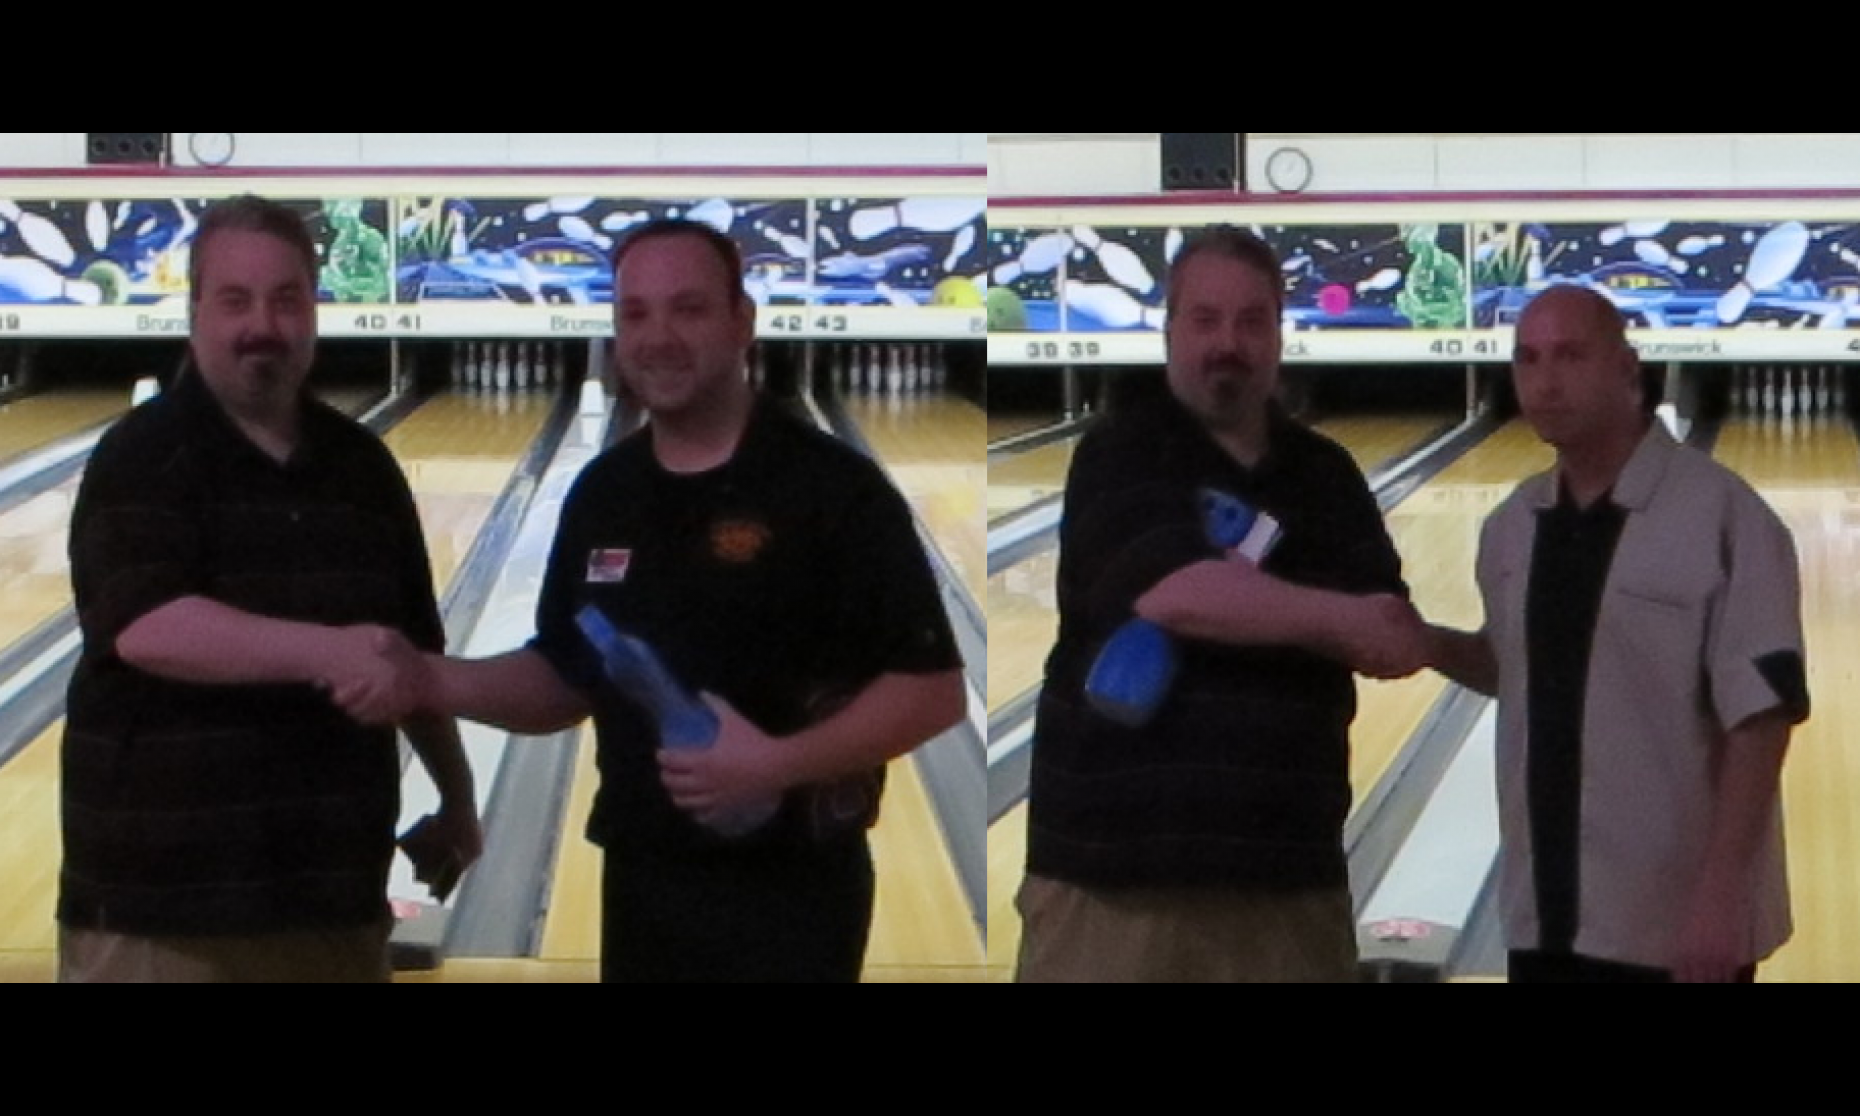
(1786, 395)
(40, 235)
(536, 211)
(938, 215)
(1773, 259)
(716, 213)
(520, 370)
(24, 279)
(1037, 257)
(1122, 264)
(1112, 306)
(500, 373)
(97, 225)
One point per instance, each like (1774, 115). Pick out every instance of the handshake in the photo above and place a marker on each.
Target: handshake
(375, 675)
(1382, 636)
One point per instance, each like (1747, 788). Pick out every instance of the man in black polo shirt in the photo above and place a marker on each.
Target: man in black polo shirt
(769, 565)
(239, 551)
(1643, 636)
(1206, 844)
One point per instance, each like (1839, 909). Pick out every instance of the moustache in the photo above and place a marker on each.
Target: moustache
(1228, 364)
(262, 347)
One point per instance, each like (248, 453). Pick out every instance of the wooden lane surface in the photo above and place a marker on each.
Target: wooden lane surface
(1029, 476)
(1436, 531)
(37, 420)
(33, 565)
(1006, 425)
(1023, 622)
(1376, 440)
(932, 445)
(935, 448)
(1810, 473)
(921, 929)
(35, 577)
(29, 848)
(458, 451)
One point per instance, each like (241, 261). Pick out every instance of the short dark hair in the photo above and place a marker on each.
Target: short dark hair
(719, 244)
(251, 213)
(1235, 243)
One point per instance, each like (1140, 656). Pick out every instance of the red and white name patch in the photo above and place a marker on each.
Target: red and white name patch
(608, 567)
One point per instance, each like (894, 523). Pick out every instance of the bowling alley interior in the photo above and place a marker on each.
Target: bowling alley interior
(964, 308)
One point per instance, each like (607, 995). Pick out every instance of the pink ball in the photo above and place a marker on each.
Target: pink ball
(1334, 300)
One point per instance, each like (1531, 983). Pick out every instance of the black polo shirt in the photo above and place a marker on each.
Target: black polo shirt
(1569, 566)
(1242, 777)
(200, 809)
(786, 580)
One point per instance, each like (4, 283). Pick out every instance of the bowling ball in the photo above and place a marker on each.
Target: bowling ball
(956, 291)
(1006, 312)
(110, 279)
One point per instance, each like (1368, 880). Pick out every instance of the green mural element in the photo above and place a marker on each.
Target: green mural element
(1006, 312)
(356, 269)
(1434, 294)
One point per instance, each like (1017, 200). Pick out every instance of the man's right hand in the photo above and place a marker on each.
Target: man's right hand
(376, 676)
(1384, 637)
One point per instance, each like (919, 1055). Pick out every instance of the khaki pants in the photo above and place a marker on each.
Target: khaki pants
(355, 955)
(1184, 935)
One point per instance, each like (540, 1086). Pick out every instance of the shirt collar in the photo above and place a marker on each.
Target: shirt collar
(202, 408)
(1633, 490)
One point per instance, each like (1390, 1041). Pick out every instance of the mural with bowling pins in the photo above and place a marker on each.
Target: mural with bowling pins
(135, 252)
(556, 250)
(900, 251)
(1094, 278)
(796, 252)
(1678, 274)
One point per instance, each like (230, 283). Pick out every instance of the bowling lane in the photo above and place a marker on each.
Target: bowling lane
(447, 448)
(458, 451)
(1810, 473)
(33, 565)
(1002, 426)
(933, 447)
(1436, 530)
(1029, 476)
(38, 420)
(1376, 440)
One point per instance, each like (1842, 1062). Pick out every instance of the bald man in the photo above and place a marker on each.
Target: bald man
(1643, 637)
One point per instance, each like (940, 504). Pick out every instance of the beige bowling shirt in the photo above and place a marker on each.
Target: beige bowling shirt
(1700, 614)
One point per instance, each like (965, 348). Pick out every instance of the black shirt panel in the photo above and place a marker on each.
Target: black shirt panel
(1571, 556)
(1242, 776)
(208, 809)
(785, 581)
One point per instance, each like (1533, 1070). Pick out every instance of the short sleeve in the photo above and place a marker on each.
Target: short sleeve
(421, 622)
(557, 639)
(889, 604)
(136, 542)
(1755, 647)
